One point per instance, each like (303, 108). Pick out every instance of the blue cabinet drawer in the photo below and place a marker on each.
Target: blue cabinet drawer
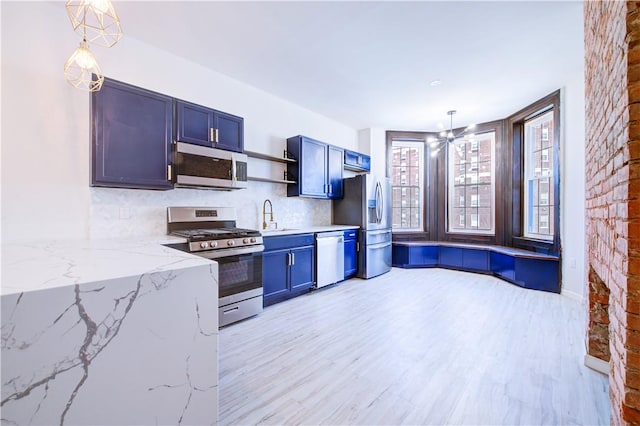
(351, 234)
(288, 241)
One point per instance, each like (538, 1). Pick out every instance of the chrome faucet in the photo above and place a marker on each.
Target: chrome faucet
(270, 213)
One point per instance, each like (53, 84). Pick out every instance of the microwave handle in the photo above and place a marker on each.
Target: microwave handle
(234, 176)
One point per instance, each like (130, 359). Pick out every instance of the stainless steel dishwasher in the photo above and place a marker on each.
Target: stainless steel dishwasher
(329, 258)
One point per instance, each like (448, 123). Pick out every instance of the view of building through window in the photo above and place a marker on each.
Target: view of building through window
(538, 177)
(471, 184)
(407, 162)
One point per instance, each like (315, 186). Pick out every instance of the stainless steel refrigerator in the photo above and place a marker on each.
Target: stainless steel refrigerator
(367, 204)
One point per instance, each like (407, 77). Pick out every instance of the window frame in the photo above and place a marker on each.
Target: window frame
(529, 178)
(450, 180)
(429, 201)
(514, 212)
(421, 146)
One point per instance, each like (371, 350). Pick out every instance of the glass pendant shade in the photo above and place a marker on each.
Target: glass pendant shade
(82, 71)
(95, 19)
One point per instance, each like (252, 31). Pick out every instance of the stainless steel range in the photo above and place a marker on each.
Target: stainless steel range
(211, 232)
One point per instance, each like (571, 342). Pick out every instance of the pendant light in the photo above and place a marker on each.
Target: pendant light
(96, 20)
(446, 137)
(82, 71)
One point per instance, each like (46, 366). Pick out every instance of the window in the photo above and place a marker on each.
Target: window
(407, 162)
(475, 185)
(538, 176)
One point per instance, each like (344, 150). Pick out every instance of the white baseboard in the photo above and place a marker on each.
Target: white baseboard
(596, 364)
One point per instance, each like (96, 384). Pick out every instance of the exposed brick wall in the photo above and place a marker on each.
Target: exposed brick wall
(612, 90)
(598, 328)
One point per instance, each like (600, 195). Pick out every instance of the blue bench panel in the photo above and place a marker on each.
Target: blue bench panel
(518, 267)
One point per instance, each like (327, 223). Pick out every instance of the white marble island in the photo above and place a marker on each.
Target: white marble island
(108, 332)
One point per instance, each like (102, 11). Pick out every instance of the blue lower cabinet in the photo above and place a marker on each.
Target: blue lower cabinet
(526, 269)
(350, 253)
(451, 257)
(475, 260)
(288, 267)
(537, 274)
(302, 269)
(503, 266)
(275, 265)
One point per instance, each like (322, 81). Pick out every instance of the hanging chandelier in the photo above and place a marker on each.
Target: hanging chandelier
(446, 137)
(97, 21)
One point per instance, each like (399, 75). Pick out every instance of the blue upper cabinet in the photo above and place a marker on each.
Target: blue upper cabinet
(194, 124)
(356, 161)
(230, 131)
(318, 171)
(204, 126)
(131, 137)
(334, 171)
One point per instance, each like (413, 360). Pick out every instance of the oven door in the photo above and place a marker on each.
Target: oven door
(239, 273)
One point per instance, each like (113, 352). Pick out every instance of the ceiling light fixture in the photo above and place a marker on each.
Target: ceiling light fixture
(446, 137)
(96, 20)
(82, 71)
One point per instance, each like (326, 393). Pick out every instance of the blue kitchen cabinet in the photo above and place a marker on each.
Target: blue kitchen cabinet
(131, 136)
(318, 171)
(356, 161)
(334, 172)
(350, 253)
(275, 265)
(199, 125)
(302, 270)
(288, 267)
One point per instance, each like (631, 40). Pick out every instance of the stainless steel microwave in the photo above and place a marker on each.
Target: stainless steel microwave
(204, 167)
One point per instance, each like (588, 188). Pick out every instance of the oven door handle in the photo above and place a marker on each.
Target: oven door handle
(216, 254)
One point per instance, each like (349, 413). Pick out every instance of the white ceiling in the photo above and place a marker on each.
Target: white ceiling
(369, 64)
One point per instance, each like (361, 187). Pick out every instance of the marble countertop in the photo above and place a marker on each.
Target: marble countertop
(44, 265)
(306, 230)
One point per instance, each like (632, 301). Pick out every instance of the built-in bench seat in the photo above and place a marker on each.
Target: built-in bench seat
(521, 267)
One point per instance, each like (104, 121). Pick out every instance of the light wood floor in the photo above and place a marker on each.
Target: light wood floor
(422, 346)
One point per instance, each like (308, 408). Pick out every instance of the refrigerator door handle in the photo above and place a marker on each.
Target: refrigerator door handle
(379, 202)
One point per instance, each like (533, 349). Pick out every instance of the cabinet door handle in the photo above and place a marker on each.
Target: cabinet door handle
(217, 133)
(212, 137)
(293, 259)
(168, 171)
(358, 246)
(288, 259)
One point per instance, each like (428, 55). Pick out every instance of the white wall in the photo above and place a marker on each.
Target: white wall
(572, 188)
(46, 135)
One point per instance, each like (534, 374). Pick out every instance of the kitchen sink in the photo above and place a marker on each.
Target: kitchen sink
(273, 231)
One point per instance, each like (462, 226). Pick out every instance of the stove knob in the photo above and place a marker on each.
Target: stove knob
(253, 239)
(246, 241)
(231, 243)
(214, 244)
(204, 245)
